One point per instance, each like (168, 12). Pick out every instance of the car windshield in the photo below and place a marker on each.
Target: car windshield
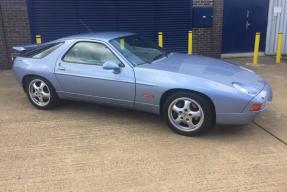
(138, 50)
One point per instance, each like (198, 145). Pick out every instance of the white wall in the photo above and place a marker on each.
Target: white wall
(277, 22)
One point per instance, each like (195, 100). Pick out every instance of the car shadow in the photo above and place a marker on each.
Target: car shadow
(140, 117)
(227, 129)
(105, 109)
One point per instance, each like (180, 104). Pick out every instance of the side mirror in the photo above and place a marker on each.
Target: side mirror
(110, 65)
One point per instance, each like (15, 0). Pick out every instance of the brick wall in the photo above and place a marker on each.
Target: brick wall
(207, 41)
(14, 28)
(3, 48)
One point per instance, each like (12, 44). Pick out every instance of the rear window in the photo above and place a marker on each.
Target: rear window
(42, 51)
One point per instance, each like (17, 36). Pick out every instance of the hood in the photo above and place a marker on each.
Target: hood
(208, 68)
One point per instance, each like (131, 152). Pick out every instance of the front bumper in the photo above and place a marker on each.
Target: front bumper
(264, 97)
(246, 116)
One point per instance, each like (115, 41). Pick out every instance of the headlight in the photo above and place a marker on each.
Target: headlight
(245, 88)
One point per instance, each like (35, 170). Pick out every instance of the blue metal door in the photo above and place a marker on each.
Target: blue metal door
(242, 19)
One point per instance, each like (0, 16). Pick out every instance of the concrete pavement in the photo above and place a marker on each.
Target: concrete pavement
(85, 147)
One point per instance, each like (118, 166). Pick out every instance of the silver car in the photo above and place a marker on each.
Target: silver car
(123, 69)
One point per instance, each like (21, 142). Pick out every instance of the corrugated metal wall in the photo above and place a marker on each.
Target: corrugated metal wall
(277, 22)
(57, 18)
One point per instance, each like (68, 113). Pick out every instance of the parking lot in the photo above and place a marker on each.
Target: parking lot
(86, 147)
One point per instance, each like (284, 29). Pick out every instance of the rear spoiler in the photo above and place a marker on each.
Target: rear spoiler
(21, 49)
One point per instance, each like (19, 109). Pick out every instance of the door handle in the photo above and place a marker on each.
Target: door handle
(61, 67)
(247, 25)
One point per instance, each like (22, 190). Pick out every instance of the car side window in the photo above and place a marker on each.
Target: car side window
(91, 53)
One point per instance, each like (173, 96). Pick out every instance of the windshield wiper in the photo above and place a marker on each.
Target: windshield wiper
(159, 56)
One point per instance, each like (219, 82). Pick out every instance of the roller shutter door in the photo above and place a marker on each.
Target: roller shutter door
(53, 19)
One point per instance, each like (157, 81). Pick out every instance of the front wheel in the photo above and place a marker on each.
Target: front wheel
(188, 113)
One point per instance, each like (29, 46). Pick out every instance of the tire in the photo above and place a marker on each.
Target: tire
(41, 93)
(188, 113)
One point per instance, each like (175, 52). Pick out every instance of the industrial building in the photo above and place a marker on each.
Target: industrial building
(220, 28)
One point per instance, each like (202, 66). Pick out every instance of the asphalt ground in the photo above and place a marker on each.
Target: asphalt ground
(88, 147)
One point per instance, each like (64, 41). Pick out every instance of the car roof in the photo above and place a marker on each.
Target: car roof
(102, 36)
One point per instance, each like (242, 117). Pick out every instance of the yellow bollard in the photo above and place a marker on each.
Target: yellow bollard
(122, 43)
(279, 48)
(190, 42)
(256, 48)
(160, 39)
(38, 39)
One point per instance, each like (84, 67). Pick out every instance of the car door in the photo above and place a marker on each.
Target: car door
(81, 74)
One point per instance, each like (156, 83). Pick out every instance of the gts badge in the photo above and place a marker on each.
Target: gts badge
(148, 96)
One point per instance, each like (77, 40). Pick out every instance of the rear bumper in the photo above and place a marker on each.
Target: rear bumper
(246, 116)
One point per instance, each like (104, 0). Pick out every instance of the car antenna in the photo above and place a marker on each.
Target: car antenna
(85, 25)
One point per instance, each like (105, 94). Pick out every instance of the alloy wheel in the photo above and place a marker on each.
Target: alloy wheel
(39, 92)
(186, 114)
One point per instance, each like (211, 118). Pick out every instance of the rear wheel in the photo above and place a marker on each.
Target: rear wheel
(188, 113)
(41, 93)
